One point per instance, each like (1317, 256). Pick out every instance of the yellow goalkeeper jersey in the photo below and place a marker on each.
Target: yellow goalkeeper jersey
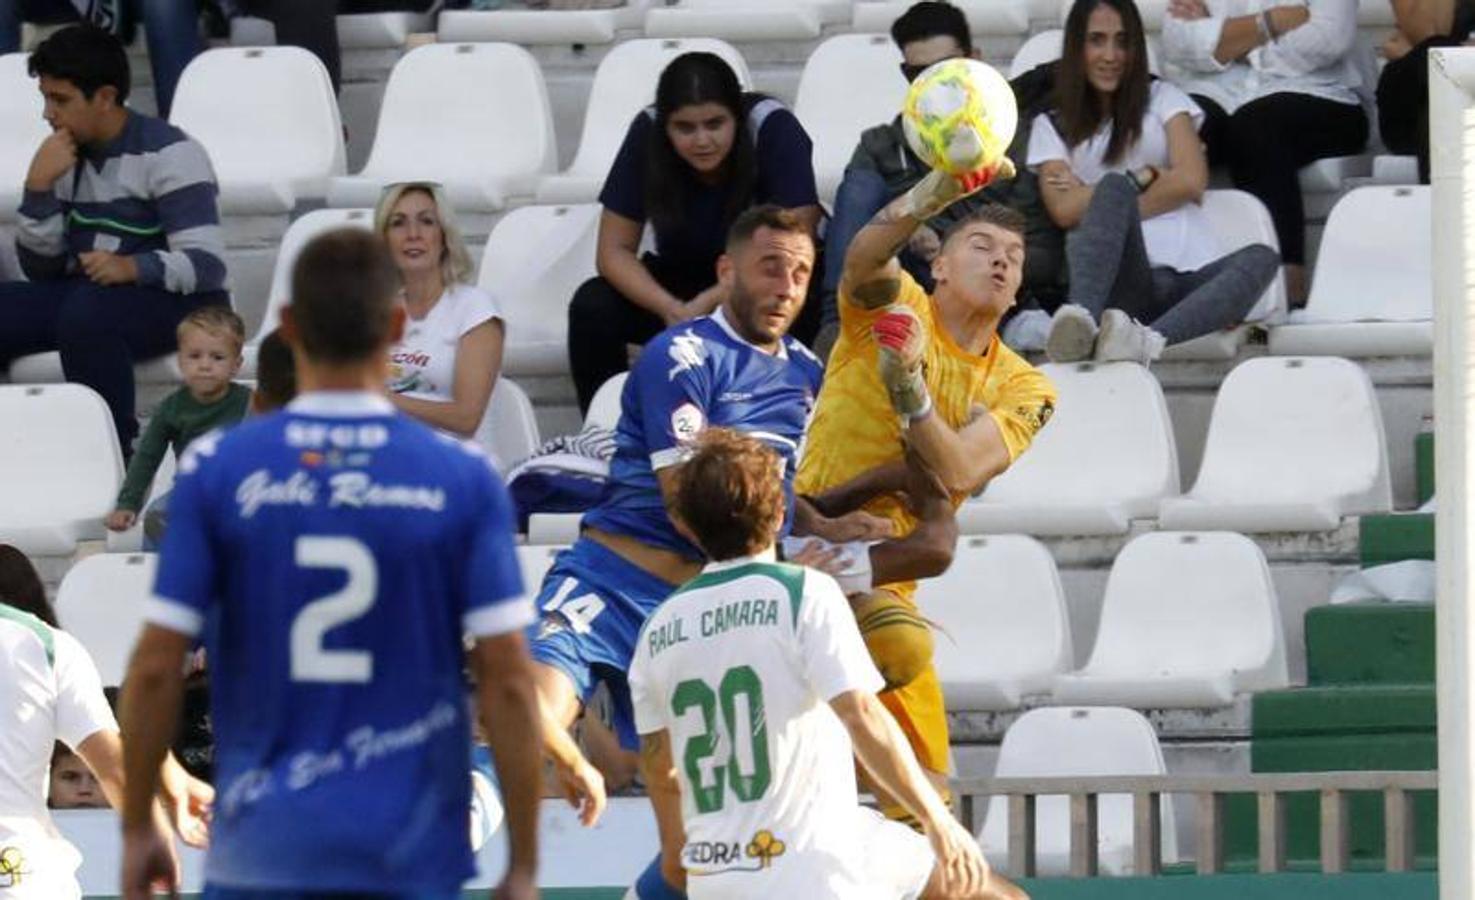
(855, 429)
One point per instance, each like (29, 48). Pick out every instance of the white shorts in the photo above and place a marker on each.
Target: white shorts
(878, 860)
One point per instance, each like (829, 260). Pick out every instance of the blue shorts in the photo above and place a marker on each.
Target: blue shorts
(224, 893)
(594, 603)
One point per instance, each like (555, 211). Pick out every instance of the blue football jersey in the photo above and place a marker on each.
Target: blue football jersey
(332, 555)
(690, 376)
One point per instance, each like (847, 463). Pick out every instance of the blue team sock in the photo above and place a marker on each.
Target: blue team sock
(652, 885)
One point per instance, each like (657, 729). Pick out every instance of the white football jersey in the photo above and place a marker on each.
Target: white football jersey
(49, 691)
(738, 666)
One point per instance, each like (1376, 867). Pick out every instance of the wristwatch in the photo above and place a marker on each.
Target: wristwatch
(1143, 183)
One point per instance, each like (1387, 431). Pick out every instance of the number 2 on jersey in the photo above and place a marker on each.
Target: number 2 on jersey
(310, 661)
(738, 683)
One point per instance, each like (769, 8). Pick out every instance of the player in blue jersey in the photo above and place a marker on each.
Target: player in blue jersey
(332, 555)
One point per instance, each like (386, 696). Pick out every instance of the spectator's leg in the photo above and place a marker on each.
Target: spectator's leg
(14, 12)
(1105, 252)
(102, 331)
(862, 194)
(600, 323)
(1273, 138)
(173, 31)
(310, 25)
(1216, 296)
(28, 313)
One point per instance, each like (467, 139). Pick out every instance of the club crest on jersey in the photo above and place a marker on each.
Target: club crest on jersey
(687, 352)
(687, 422)
(12, 867)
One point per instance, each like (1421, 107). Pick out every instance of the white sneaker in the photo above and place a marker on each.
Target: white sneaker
(1072, 334)
(1125, 340)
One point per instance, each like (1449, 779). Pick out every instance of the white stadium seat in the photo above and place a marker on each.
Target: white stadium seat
(604, 409)
(100, 602)
(269, 120)
(509, 430)
(998, 18)
(850, 83)
(1294, 444)
(60, 467)
(624, 84)
(22, 126)
(535, 563)
(1003, 632)
(1118, 411)
(368, 31)
(474, 117)
(755, 20)
(1372, 294)
(541, 26)
(535, 258)
(1389, 169)
(1190, 620)
(1078, 742)
(45, 368)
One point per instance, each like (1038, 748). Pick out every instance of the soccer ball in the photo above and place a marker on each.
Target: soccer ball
(960, 116)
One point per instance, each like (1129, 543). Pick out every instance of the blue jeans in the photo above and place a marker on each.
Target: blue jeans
(172, 28)
(862, 194)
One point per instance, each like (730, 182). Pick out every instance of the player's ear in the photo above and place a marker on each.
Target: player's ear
(939, 266)
(725, 270)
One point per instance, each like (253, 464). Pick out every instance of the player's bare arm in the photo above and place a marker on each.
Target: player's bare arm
(506, 696)
(659, 771)
(965, 459)
(579, 781)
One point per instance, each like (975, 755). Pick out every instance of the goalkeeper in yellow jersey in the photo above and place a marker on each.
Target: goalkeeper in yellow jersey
(928, 374)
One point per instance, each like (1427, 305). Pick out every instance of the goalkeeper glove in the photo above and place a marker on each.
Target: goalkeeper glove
(938, 190)
(900, 337)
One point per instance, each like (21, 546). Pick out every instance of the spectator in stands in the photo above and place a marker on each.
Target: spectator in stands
(884, 167)
(689, 165)
(210, 342)
(1403, 85)
(276, 377)
(21, 587)
(172, 28)
(1122, 168)
(1278, 85)
(443, 370)
(313, 25)
(73, 786)
(118, 229)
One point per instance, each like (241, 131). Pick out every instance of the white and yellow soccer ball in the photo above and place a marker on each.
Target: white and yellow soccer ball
(960, 116)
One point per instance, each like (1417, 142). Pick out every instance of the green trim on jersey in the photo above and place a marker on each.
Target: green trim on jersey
(41, 629)
(786, 574)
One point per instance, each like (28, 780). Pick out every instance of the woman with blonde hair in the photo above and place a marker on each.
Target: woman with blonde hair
(444, 368)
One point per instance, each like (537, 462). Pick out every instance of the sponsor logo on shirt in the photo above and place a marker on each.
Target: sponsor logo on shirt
(719, 857)
(687, 352)
(1038, 417)
(12, 867)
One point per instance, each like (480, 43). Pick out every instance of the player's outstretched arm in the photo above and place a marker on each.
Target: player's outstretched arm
(508, 703)
(883, 751)
(152, 694)
(965, 459)
(659, 771)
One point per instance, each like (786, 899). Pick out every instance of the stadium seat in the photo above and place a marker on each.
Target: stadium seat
(604, 409)
(46, 368)
(756, 20)
(101, 602)
(850, 83)
(541, 26)
(535, 258)
(1294, 444)
(535, 563)
(269, 120)
(1372, 293)
(1389, 169)
(1003, 629)
(624, 83)
(1002, 18)
(474, 117)
(1045, 47)
(131, 541)
(369, 31)
(298, 234)
(1189, 620)
(1058, 487)
(60, 467)
(22, 127)
(509, 430)
(1078, 742)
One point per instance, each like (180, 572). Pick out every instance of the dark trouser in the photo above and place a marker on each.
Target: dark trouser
(172, 28)
(100, 331)
(1403, 102)
(1266, 142)
(1109, 269)
(309, 25)
(601, 322)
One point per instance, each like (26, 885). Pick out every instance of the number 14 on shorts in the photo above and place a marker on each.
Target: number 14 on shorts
(578, 611)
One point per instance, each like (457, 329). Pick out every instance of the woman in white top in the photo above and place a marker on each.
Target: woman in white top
(443, 370)
(1278, 81)
(1122, 170)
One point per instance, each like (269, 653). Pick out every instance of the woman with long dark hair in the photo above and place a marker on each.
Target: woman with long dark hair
(1122, 169)
(689, 165)
(20, 585)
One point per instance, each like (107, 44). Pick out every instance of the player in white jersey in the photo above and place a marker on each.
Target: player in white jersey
(753, 693)
(50, 691)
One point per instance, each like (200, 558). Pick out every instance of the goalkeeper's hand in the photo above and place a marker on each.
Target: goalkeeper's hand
(939, 190)
(901, 338)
